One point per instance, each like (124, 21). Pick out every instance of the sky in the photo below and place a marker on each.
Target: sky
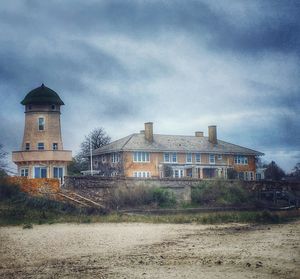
(183, 65)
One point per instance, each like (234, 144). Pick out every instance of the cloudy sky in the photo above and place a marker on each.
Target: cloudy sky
(182, 64)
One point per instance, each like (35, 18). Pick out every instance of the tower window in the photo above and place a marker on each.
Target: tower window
(40, 172)
(41, 123)
(53, 107)
(41, 146)
(54, 146)
(24, 172)
(27, 146)
(29, 107)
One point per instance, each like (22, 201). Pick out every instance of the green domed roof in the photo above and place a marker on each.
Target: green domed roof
(42, 95)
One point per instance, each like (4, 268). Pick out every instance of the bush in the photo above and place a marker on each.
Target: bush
(140, 196)
(8, 192)
(163, 197)
(220, 192)
(27, 226)
(130, 197)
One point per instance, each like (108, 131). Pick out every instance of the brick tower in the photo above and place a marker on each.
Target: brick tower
(42, 154)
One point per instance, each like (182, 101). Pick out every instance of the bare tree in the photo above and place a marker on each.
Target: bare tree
(274, 172)
(98, 138)
(296, 171)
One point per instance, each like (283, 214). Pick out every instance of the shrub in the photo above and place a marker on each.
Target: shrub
(8, 192)
(163, 197)
(130, 197)
(140, 196)
(27, 226)
(220, 192)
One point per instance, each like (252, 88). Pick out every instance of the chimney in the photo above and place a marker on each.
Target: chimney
(212, 134)
(199, 134)
(149, 131)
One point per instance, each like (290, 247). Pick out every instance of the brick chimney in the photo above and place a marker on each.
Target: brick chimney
(199, 134)
(149, 131)
(212, 134)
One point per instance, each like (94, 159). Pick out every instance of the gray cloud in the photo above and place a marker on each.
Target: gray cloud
(183, 65)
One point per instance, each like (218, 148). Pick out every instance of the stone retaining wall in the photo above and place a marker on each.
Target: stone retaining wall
(96, 187)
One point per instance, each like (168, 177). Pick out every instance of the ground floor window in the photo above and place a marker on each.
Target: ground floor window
(40, 172)
(143, 174)
(58, 172)
(178, 173)
(24, 172)
(209, 173)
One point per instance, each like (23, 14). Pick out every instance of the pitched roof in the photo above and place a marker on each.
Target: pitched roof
(42, 95)
(173, 143)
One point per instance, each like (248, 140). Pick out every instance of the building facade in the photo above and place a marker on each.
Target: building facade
(147, 155)
(42, 154)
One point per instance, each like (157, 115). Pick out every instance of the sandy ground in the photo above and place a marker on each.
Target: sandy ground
(150, 251)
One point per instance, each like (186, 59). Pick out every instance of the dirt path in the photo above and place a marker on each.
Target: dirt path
(150, 251)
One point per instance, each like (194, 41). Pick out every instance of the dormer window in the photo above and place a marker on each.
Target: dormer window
(41, 123)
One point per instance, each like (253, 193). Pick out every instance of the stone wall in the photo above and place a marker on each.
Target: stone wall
(34, 186)
(97, 187)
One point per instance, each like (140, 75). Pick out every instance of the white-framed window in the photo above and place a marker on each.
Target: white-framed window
(189, 158)
(115, 157)
(143, 174)
(24, 172)
(58, 172)
(114, 173)
(27, 146)
(54, 145)
(167, 157)
(174, 157)
(40, 146)
(212, 158)
(198, 158)
(170, 157)
(41, 123)
(241, 160)
(258, 176)
(251, 175)
(40, 172)
(178, 173)
(141, 157)
(219, 156)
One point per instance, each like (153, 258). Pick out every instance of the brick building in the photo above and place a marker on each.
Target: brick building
(146, 154)
(42, 154)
